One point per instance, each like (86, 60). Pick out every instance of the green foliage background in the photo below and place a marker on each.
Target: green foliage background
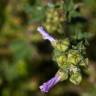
(26, 59)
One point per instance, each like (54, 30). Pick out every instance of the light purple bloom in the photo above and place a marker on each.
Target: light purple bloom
(45, 87)
(44, 34)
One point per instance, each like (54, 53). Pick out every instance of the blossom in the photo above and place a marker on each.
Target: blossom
(45, 87)
(44, 34)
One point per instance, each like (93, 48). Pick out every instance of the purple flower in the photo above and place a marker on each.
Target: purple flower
(44, 34)
(45, 87)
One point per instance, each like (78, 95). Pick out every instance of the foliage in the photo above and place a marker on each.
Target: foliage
(71, 22)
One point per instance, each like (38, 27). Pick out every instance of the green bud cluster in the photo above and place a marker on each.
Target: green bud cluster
(75, 75)
(62, 45)
(53, 20)
(70, 60)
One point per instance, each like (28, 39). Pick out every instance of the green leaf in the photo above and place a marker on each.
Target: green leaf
(90, 3)
(21, 50)
(6, 92)
(9, 71)
(37, 12)
(14, 71)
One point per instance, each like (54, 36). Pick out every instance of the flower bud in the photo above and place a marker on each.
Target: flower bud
(74, 57)
(75, 75)
(62, 45)
(63, 74)
(61, 60)
(76, 78)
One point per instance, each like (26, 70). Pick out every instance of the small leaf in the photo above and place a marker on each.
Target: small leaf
(21, 49)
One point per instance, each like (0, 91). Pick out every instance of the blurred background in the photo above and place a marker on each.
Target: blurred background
(26, 59)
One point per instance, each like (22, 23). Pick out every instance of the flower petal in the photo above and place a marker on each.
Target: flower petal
(44, 34)
(45, 87)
